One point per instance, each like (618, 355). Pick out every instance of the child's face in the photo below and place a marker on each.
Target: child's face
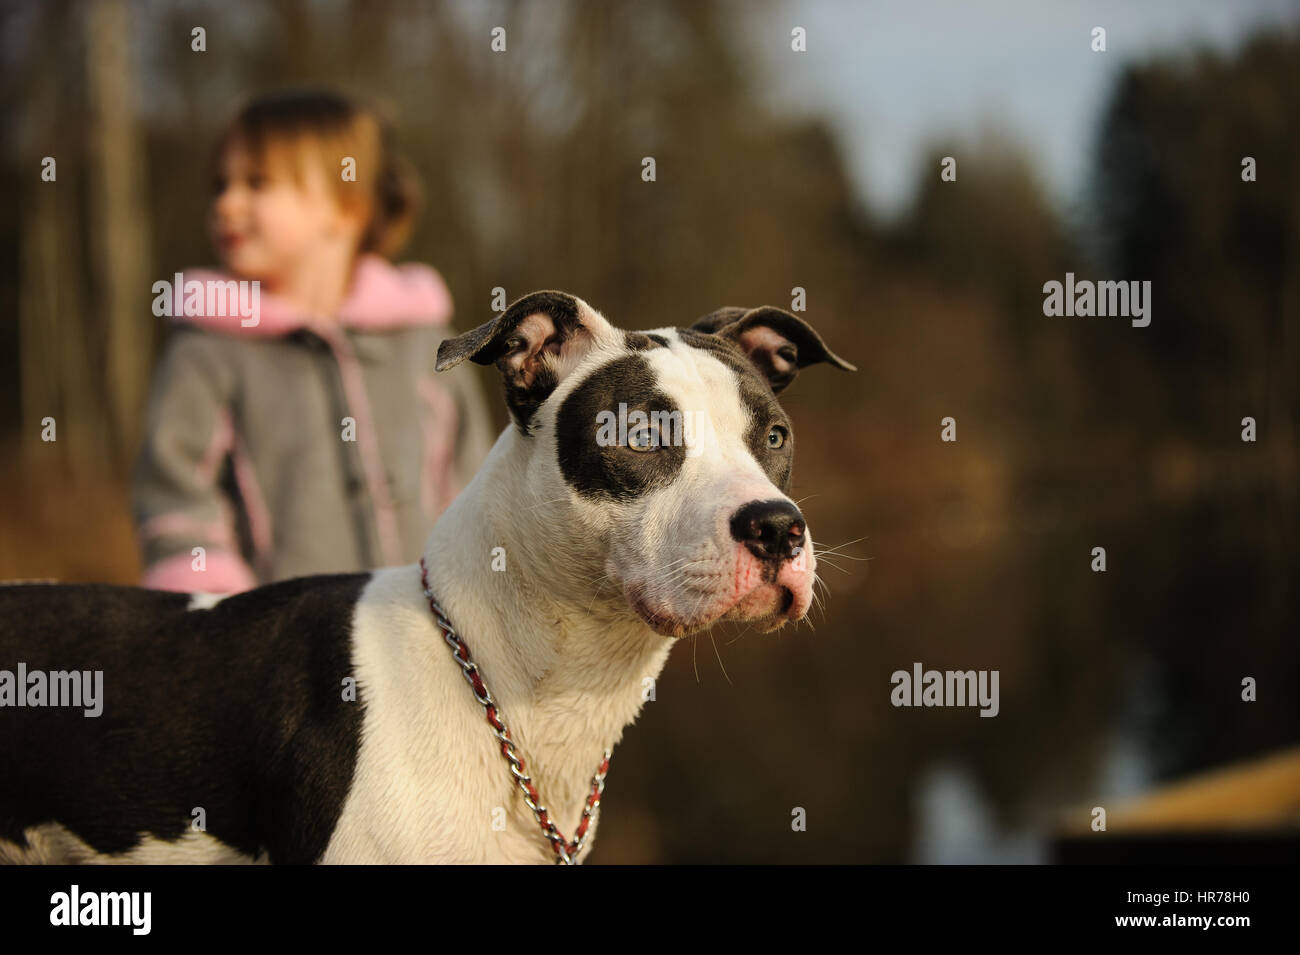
(265, 224)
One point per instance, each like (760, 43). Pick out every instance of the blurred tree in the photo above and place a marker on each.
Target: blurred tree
(1223, 257)
(120, 238)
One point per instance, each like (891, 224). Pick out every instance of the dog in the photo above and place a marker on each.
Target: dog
(341, 718)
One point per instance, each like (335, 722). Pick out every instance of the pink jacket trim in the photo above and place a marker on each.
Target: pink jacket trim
(440, 422)
(226, 573)
(259, 515)
(381, 297)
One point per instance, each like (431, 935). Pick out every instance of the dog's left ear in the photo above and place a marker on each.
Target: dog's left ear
(778, 343)
(534, 343)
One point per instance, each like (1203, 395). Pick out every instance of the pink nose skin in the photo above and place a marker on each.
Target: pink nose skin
(757, 593)
(798, 576)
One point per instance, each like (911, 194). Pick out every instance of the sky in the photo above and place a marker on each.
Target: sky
(894, 77)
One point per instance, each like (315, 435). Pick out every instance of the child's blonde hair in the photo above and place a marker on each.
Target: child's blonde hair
(289, 130)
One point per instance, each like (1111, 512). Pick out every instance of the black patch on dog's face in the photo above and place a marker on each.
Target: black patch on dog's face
(614, 472)
(756, 394)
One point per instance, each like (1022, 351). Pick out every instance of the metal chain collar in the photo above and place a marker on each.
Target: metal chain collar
(566, 853)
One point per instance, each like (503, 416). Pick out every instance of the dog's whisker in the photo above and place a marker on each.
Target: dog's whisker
(678, 563)
(817, 599)
(748, 628)
(836, 552)
(856, 540)
(837, 548)
(719, 656)
(596, 591)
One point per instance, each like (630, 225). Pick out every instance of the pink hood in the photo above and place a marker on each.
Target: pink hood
(381, 296)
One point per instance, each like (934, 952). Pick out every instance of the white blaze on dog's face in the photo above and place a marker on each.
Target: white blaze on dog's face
(666, 452)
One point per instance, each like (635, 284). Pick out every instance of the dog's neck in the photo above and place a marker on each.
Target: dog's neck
(566, 659)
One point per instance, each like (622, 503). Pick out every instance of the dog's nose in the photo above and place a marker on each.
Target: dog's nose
(772, 530)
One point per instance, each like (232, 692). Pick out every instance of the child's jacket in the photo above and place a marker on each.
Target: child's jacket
(294, 447)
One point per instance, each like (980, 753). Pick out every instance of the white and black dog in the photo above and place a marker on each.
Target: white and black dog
(601, 528)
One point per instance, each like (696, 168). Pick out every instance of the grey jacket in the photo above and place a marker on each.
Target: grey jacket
(291, 447)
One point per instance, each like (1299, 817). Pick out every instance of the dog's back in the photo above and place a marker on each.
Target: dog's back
(133, 728)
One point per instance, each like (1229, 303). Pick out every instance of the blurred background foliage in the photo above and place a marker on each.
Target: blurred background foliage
(1072, 433)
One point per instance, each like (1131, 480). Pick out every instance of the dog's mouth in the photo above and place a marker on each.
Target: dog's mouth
(660, 623)
(767, 608)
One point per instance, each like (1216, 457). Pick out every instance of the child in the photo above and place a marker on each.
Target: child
(307, 433)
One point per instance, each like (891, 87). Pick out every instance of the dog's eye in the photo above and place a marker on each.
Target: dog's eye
(776, 437)
(642, 439)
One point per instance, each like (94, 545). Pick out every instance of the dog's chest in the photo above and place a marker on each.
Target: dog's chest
(451, 803)
(430, 782)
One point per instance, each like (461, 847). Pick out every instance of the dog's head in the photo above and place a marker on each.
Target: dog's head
(660, 460)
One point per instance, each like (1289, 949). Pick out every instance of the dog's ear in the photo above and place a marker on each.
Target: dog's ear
(534, 343)
(778, 343)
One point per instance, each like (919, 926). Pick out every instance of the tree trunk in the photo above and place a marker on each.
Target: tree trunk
(120, 232)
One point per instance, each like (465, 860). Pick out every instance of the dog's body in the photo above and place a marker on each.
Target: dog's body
(568, 566)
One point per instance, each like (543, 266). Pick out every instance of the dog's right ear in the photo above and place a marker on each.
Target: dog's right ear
(534, 343)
